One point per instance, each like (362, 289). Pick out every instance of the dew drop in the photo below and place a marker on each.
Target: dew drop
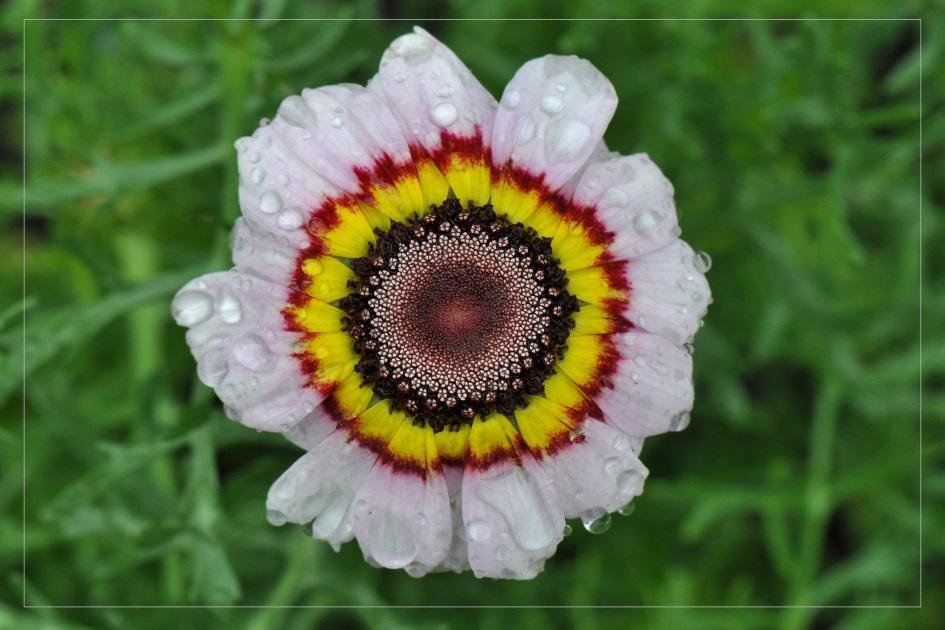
(526, 131)
(229, 309)
(276, 517)
(270, 202)
(254, 157)
(614, 197)
(627, 510)
(400, 77)
(478, 530)
(444, 114)
(251, 352)
(289, 219)
(577, 435)
(565, 139)
(257, 175)
(568, 530)
(511, 99)
(551, 104)
(501, 553)
(596, 520)
(702, 262)
(628, 482)
(679, 422)
(445, 92)
(612, 465)
(337, 122)
(191, 307)
(413, 48)
(622, 442)
(688, 347)
(644, 222)
(561, 87)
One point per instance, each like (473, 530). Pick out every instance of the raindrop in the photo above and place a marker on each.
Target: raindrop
(251, 352)
(551, 104)
(679, 422)
(276, 517)
(337, 122)
(613, 465)
(644, 222)
(229, 309)
(561, 87)
(478, 531)
(565, 139)
(688, 347)
(702, 262)
(444, 114)
(254, 157)
(400, 77)
(628, 482)
(627, 510)
(257, 175)
(445, 92)
(596, 520)
(511, 99)
(270, 202)
(191, 307)
(568, 530)
(289, 219)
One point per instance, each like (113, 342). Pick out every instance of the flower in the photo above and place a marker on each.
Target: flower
(469, 314)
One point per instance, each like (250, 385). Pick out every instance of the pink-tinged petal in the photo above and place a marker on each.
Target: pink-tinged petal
(261, 253)
(278, 188)
(320, 487)
(402, 520)
(512, 519)
(650, 391)
(599, 472)
(633, 200)
(552, 117)
(457, 558)
(235, 332)
(441, 107)
(669, 296)
(343, 133)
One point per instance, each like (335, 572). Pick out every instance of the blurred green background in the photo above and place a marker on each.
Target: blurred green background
(794, 150)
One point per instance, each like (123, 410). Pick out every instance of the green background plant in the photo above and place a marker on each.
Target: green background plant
(794, 151)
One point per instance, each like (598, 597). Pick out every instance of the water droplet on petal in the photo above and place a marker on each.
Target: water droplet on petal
(400, 77)
(421, 519)
(478, 530)
(622, 442)
(577, 435)
(270, 202)
(561, 87)
(526, 131)
(445, 91)
(644, 222)
(565, 139)
(229, 309)
(257, 175)
(251, 352)
(612, 465)
(444, 114)
(551, 104)
(511, 99)
(191, 307)
(289, 219)
(276, 517)
(627, 510)
(628, 482)
(688, 347)
(679, 422)
(337, 122)
(501, 553)
(702, 262)
(596, 520)
(568, 530)
(413, 48)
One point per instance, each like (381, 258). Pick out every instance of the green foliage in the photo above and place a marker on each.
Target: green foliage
(794, 150)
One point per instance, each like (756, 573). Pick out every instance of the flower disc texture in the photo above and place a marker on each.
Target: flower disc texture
(469, 314)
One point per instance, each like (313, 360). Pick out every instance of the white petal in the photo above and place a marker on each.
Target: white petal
(512, 520)
(320, 487)
(237, 336)
(651, 390)
(402, 520)
(633, 200)
(432, 91)
(669, 297)
(552, 116)
(600, 472)
(263, 254)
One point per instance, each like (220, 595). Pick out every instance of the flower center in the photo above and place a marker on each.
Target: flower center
(458, 314)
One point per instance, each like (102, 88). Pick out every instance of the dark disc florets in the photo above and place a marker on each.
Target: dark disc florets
(457, 314)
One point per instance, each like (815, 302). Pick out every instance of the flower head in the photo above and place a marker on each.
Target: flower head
(469, 314)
